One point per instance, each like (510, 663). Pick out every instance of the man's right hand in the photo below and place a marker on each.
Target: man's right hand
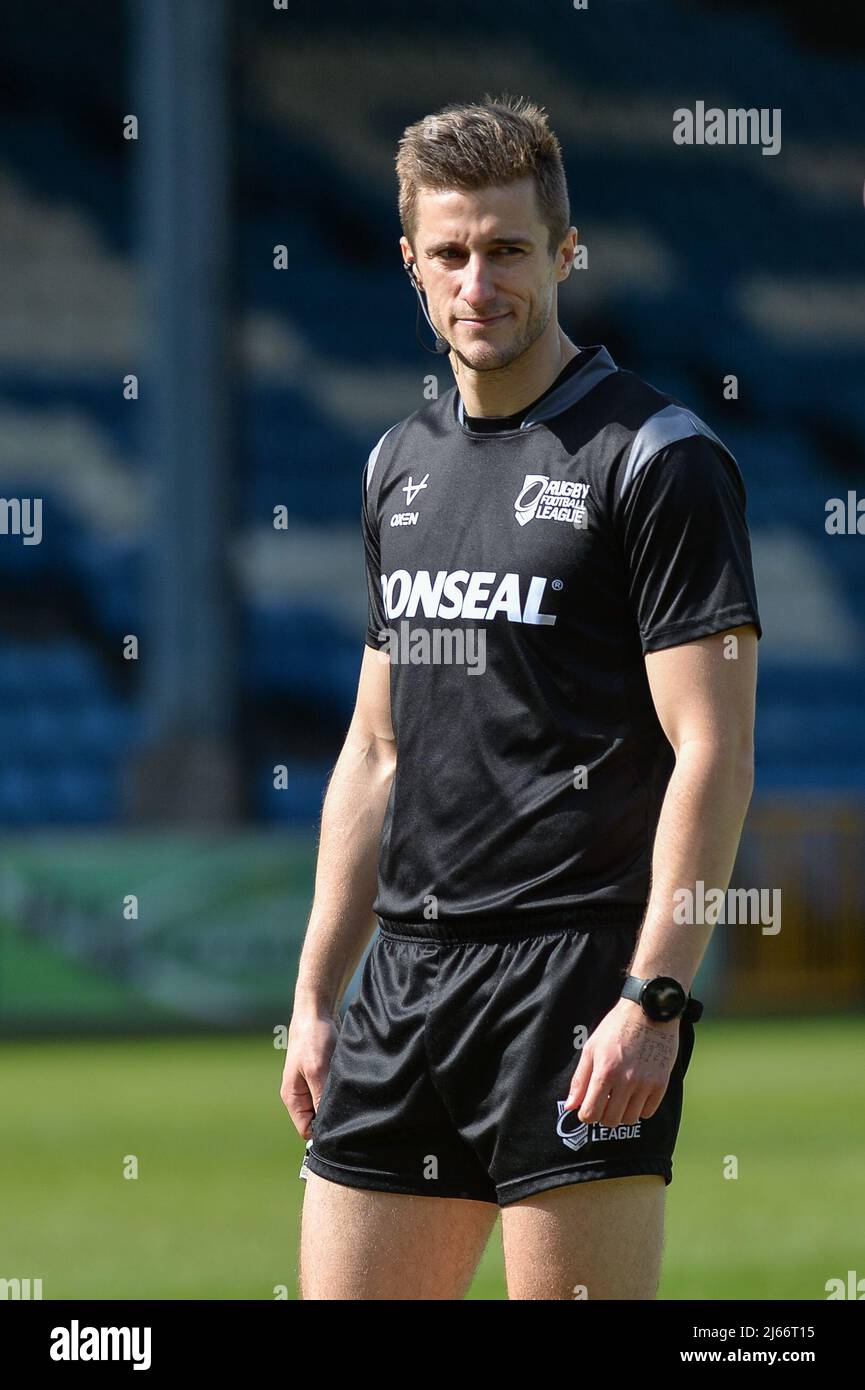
(311, 1041)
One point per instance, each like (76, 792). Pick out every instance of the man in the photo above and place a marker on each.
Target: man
(505, 819)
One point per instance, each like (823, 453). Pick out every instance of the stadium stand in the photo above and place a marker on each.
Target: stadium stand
(697, 268)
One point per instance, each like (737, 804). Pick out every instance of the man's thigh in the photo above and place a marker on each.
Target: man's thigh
(598, 1239)
(362, 1244)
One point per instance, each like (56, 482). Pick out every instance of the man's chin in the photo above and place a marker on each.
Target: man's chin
(484, 357)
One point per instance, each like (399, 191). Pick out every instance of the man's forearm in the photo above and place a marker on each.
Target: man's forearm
(342, 920)
(697, 839)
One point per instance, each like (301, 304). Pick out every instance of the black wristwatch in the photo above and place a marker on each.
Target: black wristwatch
(662, 998)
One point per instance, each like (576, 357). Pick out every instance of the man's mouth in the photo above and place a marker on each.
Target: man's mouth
(483, 322)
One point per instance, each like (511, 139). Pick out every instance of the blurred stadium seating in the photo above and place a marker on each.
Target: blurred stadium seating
(755, 271)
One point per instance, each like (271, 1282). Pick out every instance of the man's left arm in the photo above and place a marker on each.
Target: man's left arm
(704, 694)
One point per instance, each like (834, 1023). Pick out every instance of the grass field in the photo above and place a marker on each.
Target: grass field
(214, 1212)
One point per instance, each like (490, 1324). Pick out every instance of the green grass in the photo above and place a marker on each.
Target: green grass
(214, 1211)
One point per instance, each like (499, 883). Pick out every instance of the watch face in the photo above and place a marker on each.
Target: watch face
(663, 998)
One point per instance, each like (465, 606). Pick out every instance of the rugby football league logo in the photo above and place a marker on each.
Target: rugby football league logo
(552, 499)
(575, 1133)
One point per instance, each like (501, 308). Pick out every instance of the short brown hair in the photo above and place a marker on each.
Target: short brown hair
(479, 144)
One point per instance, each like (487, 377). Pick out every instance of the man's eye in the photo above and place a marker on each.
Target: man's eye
(511, 250)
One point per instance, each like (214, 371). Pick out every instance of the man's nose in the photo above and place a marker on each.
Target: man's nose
(478, 287)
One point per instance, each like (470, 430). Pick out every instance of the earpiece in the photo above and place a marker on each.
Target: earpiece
(441, 344)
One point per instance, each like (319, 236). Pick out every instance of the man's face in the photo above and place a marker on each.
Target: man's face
(484, 262)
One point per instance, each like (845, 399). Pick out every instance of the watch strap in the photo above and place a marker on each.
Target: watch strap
(633, 988)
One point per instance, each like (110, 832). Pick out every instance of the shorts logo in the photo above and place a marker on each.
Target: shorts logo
(551, 499)
(575, 1133)
(573, 1138)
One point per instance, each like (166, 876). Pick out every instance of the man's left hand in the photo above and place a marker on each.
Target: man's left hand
(625, 1067)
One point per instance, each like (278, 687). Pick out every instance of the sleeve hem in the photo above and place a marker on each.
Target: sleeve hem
(690, 629)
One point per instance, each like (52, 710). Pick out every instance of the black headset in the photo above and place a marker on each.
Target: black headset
(441, 344)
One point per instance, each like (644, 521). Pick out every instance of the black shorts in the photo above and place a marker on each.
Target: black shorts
(455, 1058)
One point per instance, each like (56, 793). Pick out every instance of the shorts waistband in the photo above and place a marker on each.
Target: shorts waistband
(581, 918)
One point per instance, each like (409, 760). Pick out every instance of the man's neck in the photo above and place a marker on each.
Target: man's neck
(509, 389)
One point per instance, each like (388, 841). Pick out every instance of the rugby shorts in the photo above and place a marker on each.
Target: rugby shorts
(455, 1058)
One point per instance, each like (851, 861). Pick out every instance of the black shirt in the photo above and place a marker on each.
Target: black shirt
(608, 524)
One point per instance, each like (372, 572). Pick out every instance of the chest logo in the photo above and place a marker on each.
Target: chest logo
(411, 489)
(552, 499)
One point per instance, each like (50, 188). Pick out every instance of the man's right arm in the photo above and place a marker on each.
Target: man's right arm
(342, 919)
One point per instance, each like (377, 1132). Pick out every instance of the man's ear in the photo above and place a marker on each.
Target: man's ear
(570, 250)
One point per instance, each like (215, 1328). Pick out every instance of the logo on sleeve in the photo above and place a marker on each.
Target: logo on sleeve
(552, 499)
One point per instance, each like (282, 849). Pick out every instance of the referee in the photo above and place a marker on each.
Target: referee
(516, 815)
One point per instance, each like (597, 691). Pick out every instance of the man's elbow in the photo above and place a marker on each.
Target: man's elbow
(385, 757)
(378, 753)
